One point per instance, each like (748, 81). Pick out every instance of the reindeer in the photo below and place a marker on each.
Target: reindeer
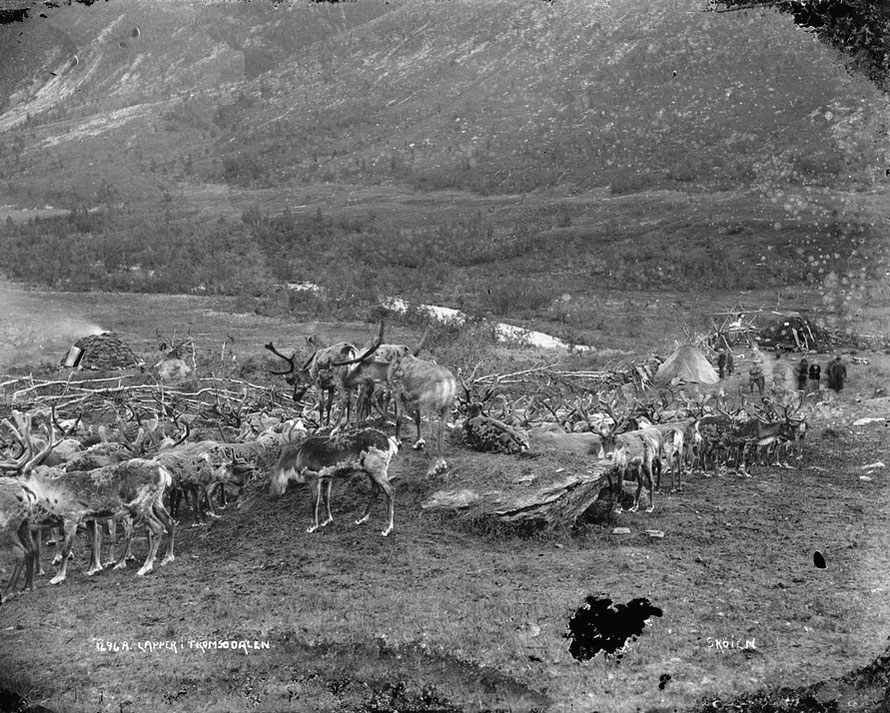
(422, 387)
(321, 459)
(16, 511)
(172, 367)
(482, 432)
(134, 487)
(325, 370)
(370, 376)
(639, 450)
(781, 430)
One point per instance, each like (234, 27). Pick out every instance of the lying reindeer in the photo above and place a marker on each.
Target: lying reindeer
(321, 459)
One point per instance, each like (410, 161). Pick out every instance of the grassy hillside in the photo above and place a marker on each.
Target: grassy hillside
(490, 154)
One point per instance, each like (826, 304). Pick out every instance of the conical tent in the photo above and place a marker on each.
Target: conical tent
(686, 364)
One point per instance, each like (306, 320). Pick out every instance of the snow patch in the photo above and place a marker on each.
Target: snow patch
(504, 332)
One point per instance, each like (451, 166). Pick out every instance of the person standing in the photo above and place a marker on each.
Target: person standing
(803, 372)
(721, 361)
(815, 374)
(837, 373)
(756, 377)
(730, 362)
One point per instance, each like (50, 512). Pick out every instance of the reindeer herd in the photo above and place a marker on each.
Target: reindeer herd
(83, 473)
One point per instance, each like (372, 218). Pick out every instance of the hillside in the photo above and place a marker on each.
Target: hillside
(421, 144)
(492, 96)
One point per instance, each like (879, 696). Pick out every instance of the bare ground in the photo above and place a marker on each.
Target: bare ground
(444, 616)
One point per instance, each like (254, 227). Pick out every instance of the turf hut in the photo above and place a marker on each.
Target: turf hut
(794, 333)
(105, 352)
(687, 364)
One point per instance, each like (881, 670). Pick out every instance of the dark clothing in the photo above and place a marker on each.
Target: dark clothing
(815, 376)
(837, 373)
(721, 362)
(803, 370)
(756, 378)
(729, 363)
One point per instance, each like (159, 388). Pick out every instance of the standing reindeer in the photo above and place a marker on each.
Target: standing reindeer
(321, 459)
(16, 511)
(369, 377)
(639, 450)
(325, 370)
(422, 387)
(134, 488)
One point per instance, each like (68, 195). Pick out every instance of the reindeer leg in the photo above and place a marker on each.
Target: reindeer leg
(375, 490)
(648, 471)
(327, 501)
(112, 536)
(57, 538)
(376, 467)
(155, 533)
(70, 530)
(95, 532)
(208, 497)
(127, 551)
(175, 497)
(37, 560)
(419, 443)
(390, 503)
(618, 509)
(20, 553)
(317, 486)
(169, 524)
(440, 464)
(636, 505)
(28, 542)
(193, 493)
(399, 411)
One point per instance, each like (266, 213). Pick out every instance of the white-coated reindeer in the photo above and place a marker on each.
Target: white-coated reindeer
(422, 387)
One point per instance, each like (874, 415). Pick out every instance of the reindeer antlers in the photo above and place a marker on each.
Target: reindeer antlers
(288, 359)
(364, 356)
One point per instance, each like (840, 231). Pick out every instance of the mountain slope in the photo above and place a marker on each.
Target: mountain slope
(383, 144)
(493, 95)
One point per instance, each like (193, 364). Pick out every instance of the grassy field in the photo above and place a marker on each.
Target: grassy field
(443, 615)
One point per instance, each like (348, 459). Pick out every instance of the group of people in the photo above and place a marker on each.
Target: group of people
(809, 376)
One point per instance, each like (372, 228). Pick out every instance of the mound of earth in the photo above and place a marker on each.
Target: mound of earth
(105, 351)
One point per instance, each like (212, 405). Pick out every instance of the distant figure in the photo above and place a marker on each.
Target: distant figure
(815, 375)
(837, 373)
(756, 377)
(721, 361)
(737, 324)
(730, 362)
(803, 371)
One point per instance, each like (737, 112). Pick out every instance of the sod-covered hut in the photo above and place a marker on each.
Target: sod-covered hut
(105, 352)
